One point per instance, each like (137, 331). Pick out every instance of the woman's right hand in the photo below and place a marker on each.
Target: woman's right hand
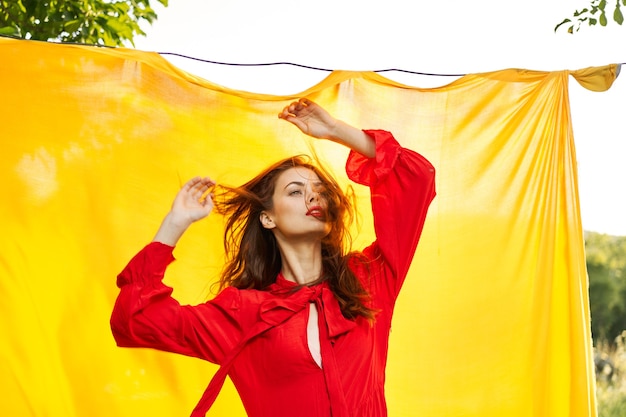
(193, 202)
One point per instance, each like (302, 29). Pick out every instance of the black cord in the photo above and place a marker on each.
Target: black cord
(301, 66)
(261, 64)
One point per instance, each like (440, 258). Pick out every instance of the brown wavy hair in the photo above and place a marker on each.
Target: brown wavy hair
(252, 257)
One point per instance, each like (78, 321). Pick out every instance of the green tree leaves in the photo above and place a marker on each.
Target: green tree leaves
(617, 14)
(97, 22)
(606, 266)
(592, 15)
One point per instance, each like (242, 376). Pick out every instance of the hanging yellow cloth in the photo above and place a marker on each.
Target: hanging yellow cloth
(493, 320)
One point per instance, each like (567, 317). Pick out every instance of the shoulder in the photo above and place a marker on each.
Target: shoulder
(366, 263)
(238, 299)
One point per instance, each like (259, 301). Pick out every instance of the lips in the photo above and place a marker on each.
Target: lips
(315, 211)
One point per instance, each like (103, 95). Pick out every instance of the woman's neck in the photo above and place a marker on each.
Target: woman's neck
(302, 262)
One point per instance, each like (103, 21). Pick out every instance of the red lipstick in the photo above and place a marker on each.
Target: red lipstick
(315, 211)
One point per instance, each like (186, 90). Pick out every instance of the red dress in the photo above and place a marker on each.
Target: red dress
(260, 337)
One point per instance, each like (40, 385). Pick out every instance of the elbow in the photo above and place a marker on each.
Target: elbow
(125, 336)
(120, 329)
(124, 327)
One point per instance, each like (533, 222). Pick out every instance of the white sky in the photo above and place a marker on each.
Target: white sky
(450, 37)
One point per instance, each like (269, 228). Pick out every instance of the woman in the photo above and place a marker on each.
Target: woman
(300, 326)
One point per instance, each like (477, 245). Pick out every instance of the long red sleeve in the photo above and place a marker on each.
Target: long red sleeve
(145, 314)
(402, 186)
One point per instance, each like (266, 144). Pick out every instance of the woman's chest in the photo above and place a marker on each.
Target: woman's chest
(301, 345)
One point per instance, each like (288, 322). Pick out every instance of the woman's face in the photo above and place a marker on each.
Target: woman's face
(299, 206)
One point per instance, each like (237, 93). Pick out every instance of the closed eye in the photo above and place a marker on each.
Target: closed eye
(319, 187)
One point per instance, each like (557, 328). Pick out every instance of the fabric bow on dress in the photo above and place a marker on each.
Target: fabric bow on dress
(276, 311)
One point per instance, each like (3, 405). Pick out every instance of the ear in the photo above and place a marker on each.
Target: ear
(266, 220)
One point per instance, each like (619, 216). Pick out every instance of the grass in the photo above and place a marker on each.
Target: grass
(611, 378)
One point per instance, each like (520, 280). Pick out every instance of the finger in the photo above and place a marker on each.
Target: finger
(284, 113)
(297, 122)
(191, 183)
(294, 108)
(296, 103)
(208, 199)
(200, 188)
(206, 191)
(303, 103)
(199, 182)
(195, 188)
(208, 182)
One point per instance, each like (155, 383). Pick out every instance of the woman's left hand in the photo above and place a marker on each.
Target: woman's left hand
(310, 118)
(313, 120)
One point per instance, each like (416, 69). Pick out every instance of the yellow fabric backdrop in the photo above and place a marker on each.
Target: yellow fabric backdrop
(493, 320)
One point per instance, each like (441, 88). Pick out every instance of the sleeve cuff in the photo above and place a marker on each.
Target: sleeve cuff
(367, 171)
(147, 265)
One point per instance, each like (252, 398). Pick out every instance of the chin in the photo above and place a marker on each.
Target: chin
(321, 233)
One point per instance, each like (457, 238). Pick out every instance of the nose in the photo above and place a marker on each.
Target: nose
(313, 195)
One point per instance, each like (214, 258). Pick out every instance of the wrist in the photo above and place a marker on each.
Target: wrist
(171, 230)
(177, 221)
(354, 138)
(338, 131)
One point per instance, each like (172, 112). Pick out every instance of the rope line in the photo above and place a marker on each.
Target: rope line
(430, 74)
(301, 66)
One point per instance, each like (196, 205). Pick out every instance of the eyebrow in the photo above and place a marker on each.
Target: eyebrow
(301, 184)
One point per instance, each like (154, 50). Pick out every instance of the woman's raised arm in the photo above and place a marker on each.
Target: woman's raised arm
(192, 203)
